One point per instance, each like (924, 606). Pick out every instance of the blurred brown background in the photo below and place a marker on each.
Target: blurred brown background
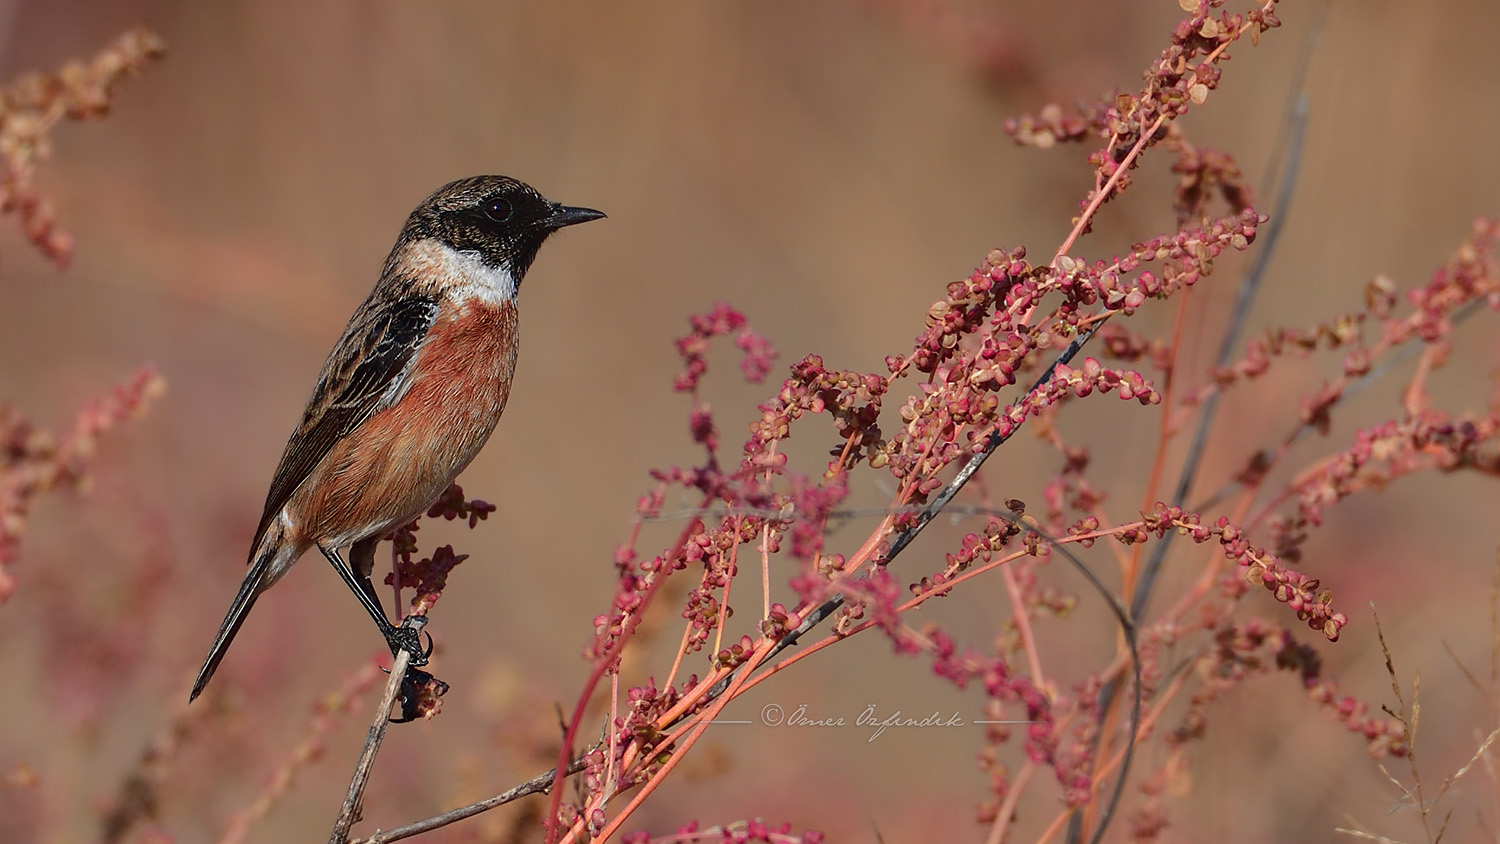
(825, 166)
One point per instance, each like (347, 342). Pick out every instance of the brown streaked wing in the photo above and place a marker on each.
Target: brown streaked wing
(380, 341)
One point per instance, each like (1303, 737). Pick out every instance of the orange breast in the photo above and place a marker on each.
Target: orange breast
(394, 465)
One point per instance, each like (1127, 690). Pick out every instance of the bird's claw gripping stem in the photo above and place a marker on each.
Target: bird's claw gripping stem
(408, 637)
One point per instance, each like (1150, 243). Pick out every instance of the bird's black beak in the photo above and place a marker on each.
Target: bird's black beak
(567, 215)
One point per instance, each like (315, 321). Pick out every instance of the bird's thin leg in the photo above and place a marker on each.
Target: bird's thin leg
(362, 559)
(398, 638)
(362, 563)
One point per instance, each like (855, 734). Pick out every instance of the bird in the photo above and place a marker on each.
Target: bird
(408, 396)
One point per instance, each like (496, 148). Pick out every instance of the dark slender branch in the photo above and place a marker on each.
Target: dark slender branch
(1127, 626)
(1231, 341)
(1283, 145)
(1293, 138)
(538, 784)
(354, 800)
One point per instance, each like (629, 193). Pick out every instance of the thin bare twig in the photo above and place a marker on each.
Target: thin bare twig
(538, 784)
(331, 710)
(354, 800)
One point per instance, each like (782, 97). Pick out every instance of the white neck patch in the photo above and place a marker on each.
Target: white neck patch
(460, 275)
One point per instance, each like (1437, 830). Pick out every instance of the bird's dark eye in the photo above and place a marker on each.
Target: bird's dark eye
(498, 210)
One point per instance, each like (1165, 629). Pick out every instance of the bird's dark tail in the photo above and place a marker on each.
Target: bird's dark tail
(263, 572)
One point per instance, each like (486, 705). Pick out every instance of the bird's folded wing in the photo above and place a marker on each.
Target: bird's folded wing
(365, 374)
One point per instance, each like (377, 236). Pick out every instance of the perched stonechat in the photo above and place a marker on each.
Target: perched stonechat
(409, 395)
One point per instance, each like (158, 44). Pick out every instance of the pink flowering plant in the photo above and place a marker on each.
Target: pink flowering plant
(35, 462)
(1000, 349)
(1021, 341)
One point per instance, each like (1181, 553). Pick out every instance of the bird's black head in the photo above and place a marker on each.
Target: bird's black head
(501, 220)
